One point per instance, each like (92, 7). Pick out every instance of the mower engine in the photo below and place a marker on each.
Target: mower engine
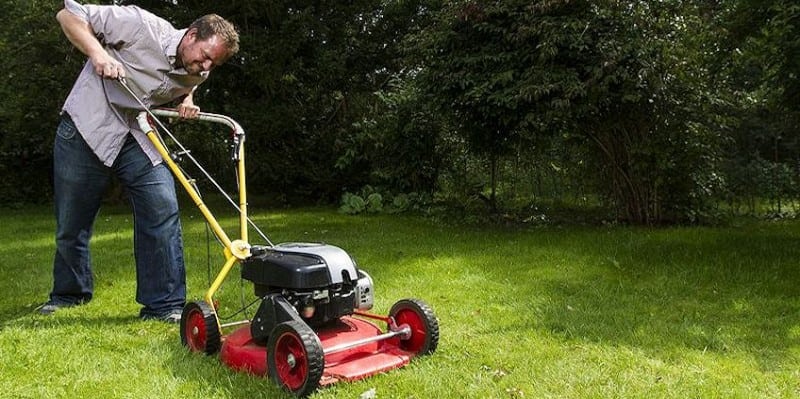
(309, 282)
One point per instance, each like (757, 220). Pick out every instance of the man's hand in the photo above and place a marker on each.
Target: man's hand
(187, 109)
(107, 67)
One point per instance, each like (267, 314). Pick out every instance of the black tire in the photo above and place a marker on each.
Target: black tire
(200, 329)
(423, 322)
(295, 359)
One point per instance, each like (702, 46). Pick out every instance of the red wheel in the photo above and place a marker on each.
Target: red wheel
(199, 328)
(417, 315)
(295, 358)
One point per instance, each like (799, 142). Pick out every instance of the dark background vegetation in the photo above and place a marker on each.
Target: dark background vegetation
(637, 112)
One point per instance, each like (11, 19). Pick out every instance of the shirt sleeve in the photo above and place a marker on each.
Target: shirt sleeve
(76, 8)
(114, 26)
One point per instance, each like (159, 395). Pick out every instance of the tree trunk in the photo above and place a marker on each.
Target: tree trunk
(493, 157)
(636, 200)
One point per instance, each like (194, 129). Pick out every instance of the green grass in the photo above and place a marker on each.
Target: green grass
(585, 312)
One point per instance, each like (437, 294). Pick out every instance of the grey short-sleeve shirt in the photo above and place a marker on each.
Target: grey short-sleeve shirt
(146, 45)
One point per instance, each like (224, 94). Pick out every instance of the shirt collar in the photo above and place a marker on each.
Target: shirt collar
(171, 50)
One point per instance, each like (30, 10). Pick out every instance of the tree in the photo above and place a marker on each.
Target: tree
(653, 108)
(475, 62)
(38, 67)
(397, 146)
(761, 72)
(615, 73)
(306, 74)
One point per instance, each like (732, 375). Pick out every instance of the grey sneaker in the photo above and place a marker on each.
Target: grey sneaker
(48, 308)
(172, 317)
(51, 307)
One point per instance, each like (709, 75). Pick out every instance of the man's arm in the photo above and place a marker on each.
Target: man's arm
(80, 34)
(186, 109)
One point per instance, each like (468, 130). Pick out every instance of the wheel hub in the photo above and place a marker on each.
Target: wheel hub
(291, 360)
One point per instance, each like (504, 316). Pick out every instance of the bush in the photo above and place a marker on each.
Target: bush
(369, 200)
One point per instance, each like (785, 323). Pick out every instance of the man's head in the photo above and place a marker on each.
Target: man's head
(208, 43)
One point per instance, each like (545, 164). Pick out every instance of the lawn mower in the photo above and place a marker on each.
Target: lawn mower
(313, 326)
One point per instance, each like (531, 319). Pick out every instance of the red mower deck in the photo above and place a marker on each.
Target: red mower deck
(240, 353)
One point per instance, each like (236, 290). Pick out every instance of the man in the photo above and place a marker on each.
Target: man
(98, 137)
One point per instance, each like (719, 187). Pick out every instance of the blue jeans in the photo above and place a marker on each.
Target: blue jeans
(80, 180)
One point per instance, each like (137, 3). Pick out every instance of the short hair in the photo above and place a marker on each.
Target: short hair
(212, 24)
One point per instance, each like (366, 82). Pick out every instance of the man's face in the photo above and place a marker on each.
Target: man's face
(198, 56)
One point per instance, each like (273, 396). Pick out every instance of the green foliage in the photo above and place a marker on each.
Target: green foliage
(352, 204)
(758, 66)
(627, 76)
(397, 145)
(34, 63)
(477, 63)
(401, 202)
(656, 110)
(653, 125)
(767, 39)
(760, 180)
(370, 200)
(306, 74)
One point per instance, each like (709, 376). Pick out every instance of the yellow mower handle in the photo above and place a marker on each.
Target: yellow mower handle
(234, 250)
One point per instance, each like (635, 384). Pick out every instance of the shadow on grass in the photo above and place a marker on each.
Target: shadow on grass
(28, 319)
(15, 312)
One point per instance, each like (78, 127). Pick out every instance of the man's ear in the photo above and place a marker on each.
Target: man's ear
(192, 34)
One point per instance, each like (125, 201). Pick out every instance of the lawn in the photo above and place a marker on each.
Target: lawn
(524, 312)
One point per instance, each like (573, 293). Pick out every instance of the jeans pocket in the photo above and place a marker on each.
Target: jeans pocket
(66, 129)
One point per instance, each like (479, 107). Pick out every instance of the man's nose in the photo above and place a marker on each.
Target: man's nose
(207, 65)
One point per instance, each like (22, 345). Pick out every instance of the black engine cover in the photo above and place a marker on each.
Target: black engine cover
(291, 270)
